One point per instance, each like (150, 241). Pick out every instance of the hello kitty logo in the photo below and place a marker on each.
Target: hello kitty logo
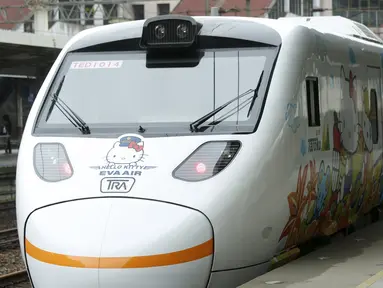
(345, 130)
(125, 158)
(348, 119)
(128, 150)
(351, 87)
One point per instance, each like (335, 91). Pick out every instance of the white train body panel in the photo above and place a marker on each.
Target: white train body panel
(235, 221)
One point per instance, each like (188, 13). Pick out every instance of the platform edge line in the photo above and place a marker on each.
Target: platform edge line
(371, 280)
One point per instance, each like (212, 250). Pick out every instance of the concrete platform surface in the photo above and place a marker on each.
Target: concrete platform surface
(378, 284)
(353, 261)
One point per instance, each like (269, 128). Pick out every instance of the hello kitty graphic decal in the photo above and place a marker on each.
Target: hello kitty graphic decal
(332, 197)
(291, 117)
(125, 157)
(127, 150)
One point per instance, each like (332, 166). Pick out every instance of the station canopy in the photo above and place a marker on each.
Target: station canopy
(27, 54)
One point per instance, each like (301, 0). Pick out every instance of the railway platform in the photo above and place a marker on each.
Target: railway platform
(8, 161)
(353, 261)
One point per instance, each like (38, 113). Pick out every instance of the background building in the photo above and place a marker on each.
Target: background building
(68, 17)
(367, 12)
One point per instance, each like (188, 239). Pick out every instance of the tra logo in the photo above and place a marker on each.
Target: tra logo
(117, 184)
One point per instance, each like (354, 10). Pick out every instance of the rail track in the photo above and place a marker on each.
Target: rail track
(9, 239)
(7, 205)
(11, 279)
(7, 191)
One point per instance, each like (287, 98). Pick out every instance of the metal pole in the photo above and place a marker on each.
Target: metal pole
(248, 8)
(316, 5)
(207, 7)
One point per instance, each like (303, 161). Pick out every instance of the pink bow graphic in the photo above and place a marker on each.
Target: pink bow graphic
(136, 147)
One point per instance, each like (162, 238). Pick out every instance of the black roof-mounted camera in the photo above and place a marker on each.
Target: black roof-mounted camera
(169, 31)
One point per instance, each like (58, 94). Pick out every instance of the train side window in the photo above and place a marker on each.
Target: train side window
(374, 115)
(312, 92)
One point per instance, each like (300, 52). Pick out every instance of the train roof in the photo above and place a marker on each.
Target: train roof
(335, 25)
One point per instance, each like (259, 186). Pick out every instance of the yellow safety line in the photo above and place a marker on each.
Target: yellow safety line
(371, 280)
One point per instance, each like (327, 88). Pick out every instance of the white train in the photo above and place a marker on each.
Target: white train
(187, 152)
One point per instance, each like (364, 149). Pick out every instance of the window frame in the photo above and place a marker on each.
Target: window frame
(134, 10)
(159, 5)
(375, 134)
(313, 106)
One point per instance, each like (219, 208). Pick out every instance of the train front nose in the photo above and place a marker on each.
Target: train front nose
(118, 242)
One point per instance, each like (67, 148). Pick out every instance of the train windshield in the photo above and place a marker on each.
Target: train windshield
(116, 92)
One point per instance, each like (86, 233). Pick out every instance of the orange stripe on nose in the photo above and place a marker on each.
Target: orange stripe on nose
(173, 258)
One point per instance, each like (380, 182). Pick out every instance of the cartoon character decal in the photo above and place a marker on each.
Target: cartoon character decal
(125, 157)
(337, 152)
(348, 114)
(128, 150)
(292, 120)
(303, 147)
(365, 127)
(334, 197)
(322, 189)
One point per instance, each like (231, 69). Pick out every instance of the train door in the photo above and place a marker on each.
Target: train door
(373, 112)
(372, 115)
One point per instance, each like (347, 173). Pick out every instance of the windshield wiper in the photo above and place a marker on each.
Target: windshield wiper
(255, 93)
(194, 126)
(72, 117)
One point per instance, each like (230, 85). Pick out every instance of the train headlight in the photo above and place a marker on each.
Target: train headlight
(169, 31)
(182, 31)
(207, 160)
(51, 162)
(160, 31)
